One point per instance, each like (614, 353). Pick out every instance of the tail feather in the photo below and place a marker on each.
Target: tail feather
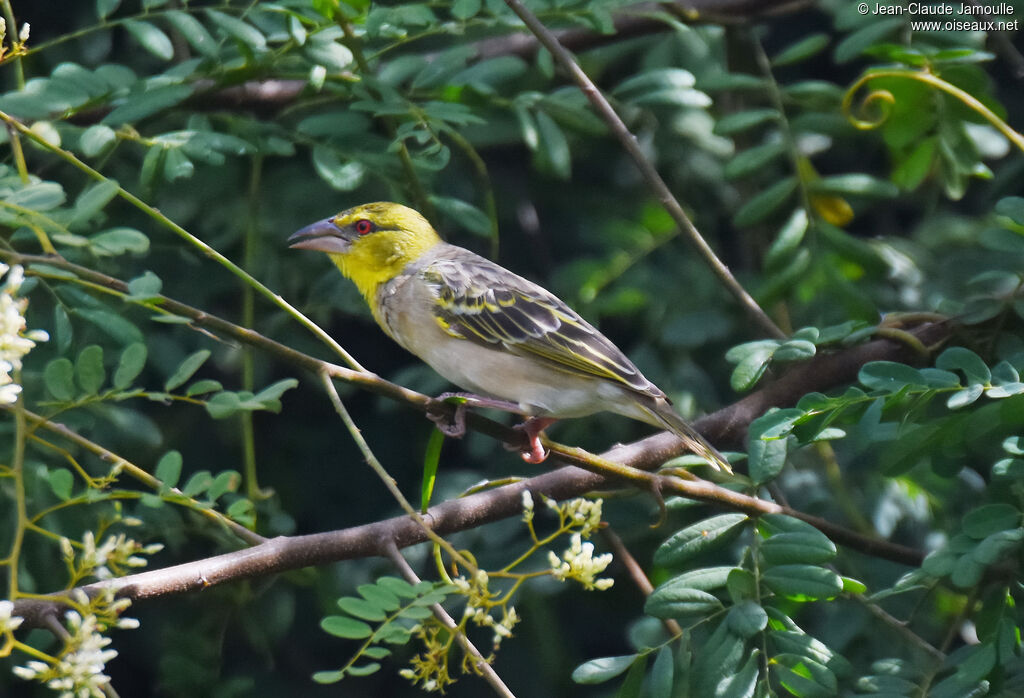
(665, 416)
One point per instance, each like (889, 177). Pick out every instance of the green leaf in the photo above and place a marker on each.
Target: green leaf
(112, 324)
(151, 38)
(379, 597)
(329, 54)
(767, 455)
(803, 582)
(1012, 207)
(889, 376)
(857, 42)
(763, 204)
(138, 106)
(743, 683)
(345, 627)
(186, 369)
(201, 387)
(634, 680)
(998, 546)
(364, 670)
(678, 601)
(807, 547)
(662, 673)
(913, 168)
(753, 159)
(340, 174)
(747, 619)
(801, 50)
(744, 121)
(795, 350)
(144, 288)
(398, 587)
(62, 328)
(193, 31)
(41, 196)
(325, 677)
(751, 361)
(270, 396)
(94, 199)
(59, 377)
(698, 538)
(197, 484)
(168, 469)
(117, 241)
(467, 215)
(224, 404)
(991, 518)
(961, 359)
(603, 669)
(105, 8)
(89, 369)
(238, 29)
(61, 482)
(466, 9)
(361, 608)
(855, 185)
(980, 661)
(431, 459)
(176, 165)
(130, 365)
(803, 676)
(97, 140)
(553, 146)
(705, 578)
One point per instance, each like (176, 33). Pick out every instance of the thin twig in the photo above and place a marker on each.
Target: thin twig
(104, 454)
(647, 170)
(208, 251)
(481, 664)
(636, 573)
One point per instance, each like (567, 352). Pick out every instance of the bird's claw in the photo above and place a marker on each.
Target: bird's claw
(452, 423)
(532, 427)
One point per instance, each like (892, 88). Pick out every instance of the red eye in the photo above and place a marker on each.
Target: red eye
(363, 226)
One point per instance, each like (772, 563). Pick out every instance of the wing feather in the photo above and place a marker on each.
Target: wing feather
(479, 301)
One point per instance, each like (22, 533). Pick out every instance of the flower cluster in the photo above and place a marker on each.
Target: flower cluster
(430, 667)
(109, 559)
(578, 562)
(77, 672)
(15, 342)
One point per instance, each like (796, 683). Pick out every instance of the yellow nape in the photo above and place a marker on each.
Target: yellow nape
(400, 237)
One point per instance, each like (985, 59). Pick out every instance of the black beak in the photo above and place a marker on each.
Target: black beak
(323, 236)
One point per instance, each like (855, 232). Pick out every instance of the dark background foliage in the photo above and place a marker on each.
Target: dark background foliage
(916, 215)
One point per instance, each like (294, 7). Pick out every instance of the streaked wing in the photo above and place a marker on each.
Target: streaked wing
(479, 301)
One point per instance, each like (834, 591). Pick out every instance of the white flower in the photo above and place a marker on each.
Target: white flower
(527, 506)
(584, 513)
(78, 671)
(15, 342)
(8, 622)
(23, 34)
(119, 550)
(578, 562)
(9, 390)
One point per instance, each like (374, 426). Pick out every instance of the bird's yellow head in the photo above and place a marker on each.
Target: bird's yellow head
(371, 243)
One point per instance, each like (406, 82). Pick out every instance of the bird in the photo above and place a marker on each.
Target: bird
(487, 329)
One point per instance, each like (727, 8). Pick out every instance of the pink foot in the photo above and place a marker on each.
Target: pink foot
(533, 427)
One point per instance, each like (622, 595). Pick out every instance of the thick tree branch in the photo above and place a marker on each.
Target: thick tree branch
(726, 427)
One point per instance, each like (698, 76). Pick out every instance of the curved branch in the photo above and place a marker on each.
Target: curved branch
(647, 170)
(726, 427)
